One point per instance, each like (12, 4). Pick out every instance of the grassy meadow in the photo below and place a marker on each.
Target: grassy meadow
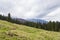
(11, 31)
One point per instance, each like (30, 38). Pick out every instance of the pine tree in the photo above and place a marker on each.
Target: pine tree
(9, 17)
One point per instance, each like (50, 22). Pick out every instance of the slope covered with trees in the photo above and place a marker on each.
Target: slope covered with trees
(51, 26)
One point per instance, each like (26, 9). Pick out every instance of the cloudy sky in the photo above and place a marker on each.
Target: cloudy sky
(42, 9)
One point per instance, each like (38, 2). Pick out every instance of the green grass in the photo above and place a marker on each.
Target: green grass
(11, 31)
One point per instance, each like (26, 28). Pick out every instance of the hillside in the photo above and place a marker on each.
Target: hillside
(11, 31)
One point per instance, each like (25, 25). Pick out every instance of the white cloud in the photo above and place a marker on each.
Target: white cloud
(29, 8)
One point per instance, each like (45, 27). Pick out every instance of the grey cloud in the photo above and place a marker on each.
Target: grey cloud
(49, 8)
(34, 8)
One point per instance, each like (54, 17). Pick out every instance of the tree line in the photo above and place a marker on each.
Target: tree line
(51, 26)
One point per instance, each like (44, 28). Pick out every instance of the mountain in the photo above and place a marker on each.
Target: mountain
(21, 20)
(31, 20)
(37, 20)
(12, 31)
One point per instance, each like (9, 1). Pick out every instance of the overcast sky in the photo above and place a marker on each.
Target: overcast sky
(43, 9)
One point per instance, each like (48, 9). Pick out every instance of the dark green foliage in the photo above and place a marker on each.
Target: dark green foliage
(9, 17)
(51, 26)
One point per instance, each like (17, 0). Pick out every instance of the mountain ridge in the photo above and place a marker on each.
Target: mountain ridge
(37, 20)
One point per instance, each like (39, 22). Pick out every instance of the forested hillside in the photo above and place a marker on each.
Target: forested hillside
(51, 26)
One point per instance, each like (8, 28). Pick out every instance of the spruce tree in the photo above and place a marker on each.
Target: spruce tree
(9, 17)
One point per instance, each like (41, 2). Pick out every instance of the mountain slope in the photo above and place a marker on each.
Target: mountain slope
(37, 20)
(11, 31)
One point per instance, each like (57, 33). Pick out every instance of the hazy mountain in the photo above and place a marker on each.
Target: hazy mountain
(37, 20)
